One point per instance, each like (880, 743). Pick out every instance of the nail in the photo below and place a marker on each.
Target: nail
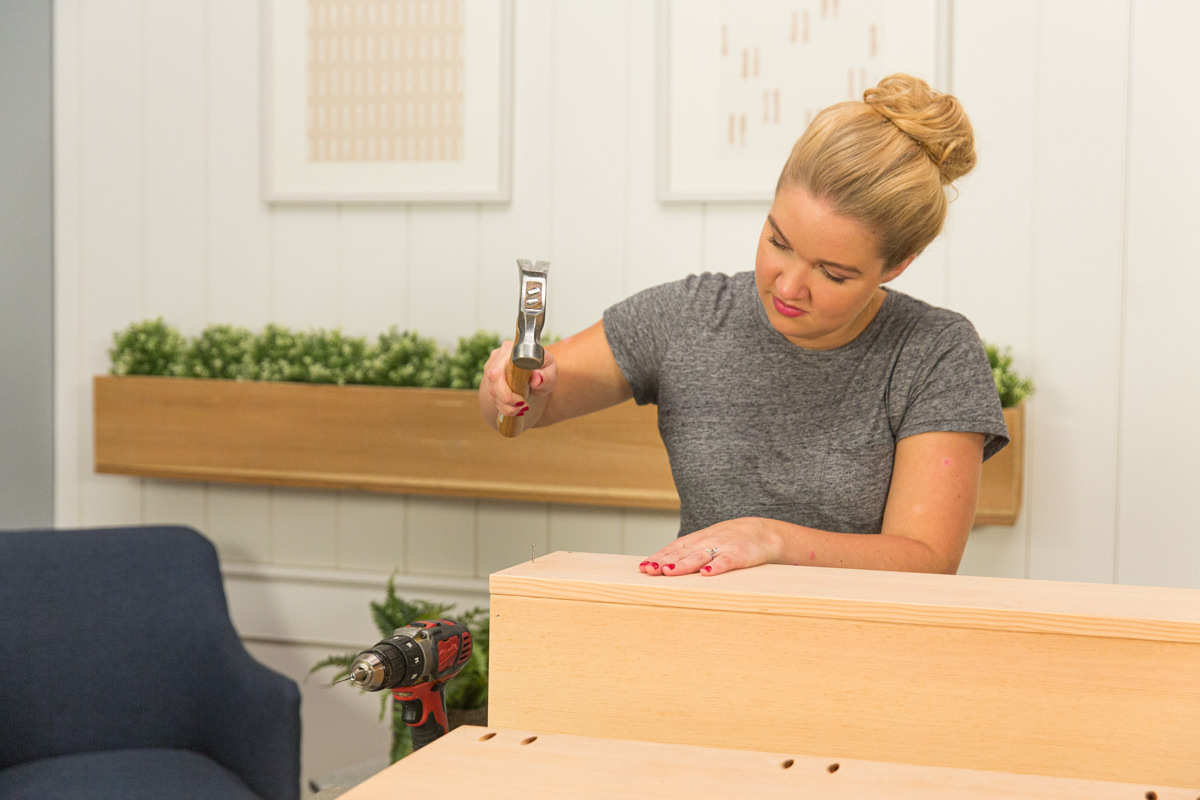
(522, 413)
(654, 564)
(669, 566)
(708, 567)
(644, 563)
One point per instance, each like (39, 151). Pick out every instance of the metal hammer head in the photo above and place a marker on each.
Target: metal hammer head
(527, 351)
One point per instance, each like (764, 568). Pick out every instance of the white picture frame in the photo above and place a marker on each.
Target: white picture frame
(737, 85)
(387, 101)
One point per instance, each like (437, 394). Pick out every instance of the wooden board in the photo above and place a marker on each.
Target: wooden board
(476, 762)
(411, 441)
(419, 441)
(1032, 677)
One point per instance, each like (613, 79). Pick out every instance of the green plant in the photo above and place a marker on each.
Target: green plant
(468, 690)
(405, 359)
(220, 351)
(148, 348)
(1012, 386)
(464, 368)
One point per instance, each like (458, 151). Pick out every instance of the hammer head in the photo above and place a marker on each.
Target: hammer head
(527, 351)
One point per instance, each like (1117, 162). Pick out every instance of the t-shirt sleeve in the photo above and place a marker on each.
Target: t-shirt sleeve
(952, 389)
(639, 332)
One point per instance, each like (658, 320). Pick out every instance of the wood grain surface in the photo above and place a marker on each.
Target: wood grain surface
(524, 764)
(410, 441)
(1070, 680)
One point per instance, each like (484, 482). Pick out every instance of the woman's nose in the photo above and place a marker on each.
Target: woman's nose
(793, 282)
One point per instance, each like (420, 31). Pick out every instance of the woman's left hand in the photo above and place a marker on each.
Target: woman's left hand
(735, 544)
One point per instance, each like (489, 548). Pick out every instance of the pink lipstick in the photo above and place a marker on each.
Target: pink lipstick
(786, 310)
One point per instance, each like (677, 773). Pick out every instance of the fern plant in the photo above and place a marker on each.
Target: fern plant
(1012, 386)
(466, 691)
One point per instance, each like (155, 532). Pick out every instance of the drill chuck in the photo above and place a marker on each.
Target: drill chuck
(394, 662)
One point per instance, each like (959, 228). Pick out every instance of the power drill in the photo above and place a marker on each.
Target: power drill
(416, 662)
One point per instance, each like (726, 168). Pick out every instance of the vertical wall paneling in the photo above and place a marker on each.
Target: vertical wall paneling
(70, 389)
(238, 270)
(238, 521)
(372, 266)
(665, 241)
(990, 256)
(1078, 238)
(510, 533)
(441, 536)
(371, 531)
(304, 258)
(522, 228)
(174, 203)
(303, 526)
(583, 529)
(443, 258)
(1157, 542)
(111, 203)
(644, 532)
(590, 122)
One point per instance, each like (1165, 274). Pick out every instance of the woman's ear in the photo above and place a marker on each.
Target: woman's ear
(897, 271)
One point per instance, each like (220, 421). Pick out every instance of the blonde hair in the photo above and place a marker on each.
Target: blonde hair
(887, 161)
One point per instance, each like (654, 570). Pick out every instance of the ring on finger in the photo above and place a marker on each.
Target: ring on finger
(712, 552)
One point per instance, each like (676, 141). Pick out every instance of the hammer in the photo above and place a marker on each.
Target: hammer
(527, 352)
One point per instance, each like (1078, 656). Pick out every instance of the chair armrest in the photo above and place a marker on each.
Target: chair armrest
(253, 724)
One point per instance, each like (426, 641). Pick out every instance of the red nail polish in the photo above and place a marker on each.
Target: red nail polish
(644, 563)
(654, 565)
(708, 568)
(669, 566)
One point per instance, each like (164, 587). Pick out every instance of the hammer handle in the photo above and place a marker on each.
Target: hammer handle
(518, 381)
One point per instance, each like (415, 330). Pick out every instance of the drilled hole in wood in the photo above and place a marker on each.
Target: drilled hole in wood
(788, 764)
(1151, 795)
(530, 740)
(487, 736)
(833, 767)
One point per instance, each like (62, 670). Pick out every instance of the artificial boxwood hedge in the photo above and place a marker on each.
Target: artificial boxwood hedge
(394, 358)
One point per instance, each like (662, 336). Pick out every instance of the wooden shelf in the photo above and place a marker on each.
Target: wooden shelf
(407, 441)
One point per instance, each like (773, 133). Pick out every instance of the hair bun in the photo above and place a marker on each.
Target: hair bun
(934, 120)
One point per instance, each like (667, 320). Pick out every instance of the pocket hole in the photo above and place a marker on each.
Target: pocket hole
(487, 736)
(833, 768)
(1151, 795)
(788, 764)
(530, 740)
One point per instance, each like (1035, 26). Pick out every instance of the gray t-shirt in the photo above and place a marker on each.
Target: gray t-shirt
(758, 427)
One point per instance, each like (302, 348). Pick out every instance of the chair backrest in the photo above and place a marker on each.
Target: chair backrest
(108, 639)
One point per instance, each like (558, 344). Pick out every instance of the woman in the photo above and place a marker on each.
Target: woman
(811, 415)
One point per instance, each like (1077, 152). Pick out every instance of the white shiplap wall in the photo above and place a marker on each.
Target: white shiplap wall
(1072, 243)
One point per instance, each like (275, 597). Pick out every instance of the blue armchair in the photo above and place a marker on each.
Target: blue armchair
(121, 675)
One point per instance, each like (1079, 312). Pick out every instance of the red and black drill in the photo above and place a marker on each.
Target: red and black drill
(416, 662)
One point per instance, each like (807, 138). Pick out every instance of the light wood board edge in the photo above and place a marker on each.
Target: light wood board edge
(1000, 604)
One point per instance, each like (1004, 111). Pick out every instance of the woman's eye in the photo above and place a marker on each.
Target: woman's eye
(778, 244)
(832, 277)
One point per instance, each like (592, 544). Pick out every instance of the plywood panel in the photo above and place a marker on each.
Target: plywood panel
(1157, 541)
(1076, 680)
(526, 764)
(1077, 282)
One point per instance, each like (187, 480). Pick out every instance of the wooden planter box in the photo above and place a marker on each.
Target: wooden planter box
(408, 441)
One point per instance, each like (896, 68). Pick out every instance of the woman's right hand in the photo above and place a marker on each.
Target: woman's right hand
(496, 398)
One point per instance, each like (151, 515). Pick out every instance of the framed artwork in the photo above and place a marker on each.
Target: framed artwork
(387, 100)
(738, 83)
